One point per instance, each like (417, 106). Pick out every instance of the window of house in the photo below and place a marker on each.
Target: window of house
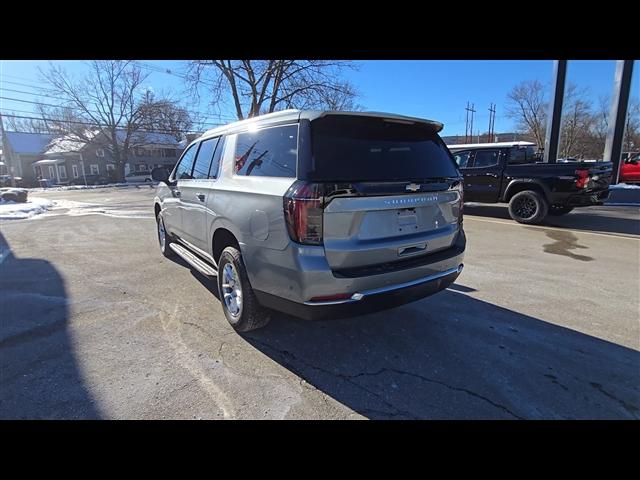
(74, 171)
(486, 158)
(95, 169)
(270, 152)
(99, 152)
(169, 152)
(110, 167)
(143, 167)
(62, 171)
(185, 167)
(203, 158)
(52, 172)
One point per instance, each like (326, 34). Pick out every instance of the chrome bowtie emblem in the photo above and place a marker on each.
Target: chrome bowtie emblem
(412, 187)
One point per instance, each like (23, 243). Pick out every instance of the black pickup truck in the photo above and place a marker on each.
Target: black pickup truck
(512, 172)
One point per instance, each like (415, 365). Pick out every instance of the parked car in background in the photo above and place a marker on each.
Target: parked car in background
(511, 172)
(317, 214)
(630, 169)
(138, 177)
(92, 179)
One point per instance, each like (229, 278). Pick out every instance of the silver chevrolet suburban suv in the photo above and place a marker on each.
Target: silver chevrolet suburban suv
(316, 214)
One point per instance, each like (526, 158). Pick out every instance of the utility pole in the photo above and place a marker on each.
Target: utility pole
(468, 132)
(492, 120)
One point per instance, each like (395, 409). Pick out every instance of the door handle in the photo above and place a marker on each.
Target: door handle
(200, 196)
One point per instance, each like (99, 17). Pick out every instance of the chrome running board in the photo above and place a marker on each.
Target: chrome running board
(193, 260)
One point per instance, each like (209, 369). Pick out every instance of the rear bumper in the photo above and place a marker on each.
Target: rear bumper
(588, 199)
(368, 302)
(383, 288)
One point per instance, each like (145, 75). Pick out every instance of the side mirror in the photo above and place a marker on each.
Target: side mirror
(160, 174)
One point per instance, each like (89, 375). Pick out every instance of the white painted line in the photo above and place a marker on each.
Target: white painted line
(515, 224)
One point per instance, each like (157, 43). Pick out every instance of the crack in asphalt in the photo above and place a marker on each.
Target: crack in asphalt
(444, 384)
(398, 412)
(632, 409)
(347, 378)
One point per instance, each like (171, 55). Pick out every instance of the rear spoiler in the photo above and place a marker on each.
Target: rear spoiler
(389, 117)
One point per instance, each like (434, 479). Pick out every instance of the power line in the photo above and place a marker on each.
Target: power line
(194, 112)
(76, 108)
(95, 125)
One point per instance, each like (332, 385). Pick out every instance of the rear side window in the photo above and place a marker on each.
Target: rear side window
(203, 159)
(183, 172)
(270, 152)
(486, 158)
(462, 158)
(352, 148)
(215, 164)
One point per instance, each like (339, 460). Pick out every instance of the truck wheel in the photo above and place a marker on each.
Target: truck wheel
(239, 303)
(528, 207)
(559, 210)
(164, 239)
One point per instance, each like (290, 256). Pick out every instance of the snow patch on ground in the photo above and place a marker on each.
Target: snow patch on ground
(92, 187)
(624, 186)
(16, 211)
(77, 209)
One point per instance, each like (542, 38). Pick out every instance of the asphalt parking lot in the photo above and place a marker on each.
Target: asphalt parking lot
(542, 324)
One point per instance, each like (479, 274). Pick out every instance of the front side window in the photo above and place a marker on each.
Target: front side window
(270, 152)
(203, 159)
(99, 152)
(95, 169)
(486, 158)
(185, 167)
(462, 158)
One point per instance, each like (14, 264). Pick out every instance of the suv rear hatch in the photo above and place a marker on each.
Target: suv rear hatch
(376, 190)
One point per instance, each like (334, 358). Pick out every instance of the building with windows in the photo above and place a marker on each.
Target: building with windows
(65, 159)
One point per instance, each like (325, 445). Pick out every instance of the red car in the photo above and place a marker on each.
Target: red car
(630, 171)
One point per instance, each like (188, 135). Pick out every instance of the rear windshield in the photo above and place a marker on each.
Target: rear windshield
(360, 149)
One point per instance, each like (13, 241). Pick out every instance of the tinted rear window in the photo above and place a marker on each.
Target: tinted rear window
(269, 152)
(372, 149)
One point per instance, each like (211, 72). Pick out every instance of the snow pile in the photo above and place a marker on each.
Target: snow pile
(86, 187)
(15, 211)
(624, 186)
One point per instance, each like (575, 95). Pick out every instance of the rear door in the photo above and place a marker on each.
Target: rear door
(195, 192)
(396, 189)
(483, 175)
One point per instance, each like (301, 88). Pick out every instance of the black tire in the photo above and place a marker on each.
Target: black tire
(528, 207)
(251, 314)
(166, 250)
(559, 210)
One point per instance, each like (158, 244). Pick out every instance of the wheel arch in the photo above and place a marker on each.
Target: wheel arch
(520, 185)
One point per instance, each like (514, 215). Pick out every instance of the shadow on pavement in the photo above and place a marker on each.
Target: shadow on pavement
(622, 220)
(40, 376)
(451, 356)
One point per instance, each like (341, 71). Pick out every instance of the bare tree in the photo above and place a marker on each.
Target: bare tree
(28, 125)
(110, 107)
(264, 86)
(526, 104)
(577, 122)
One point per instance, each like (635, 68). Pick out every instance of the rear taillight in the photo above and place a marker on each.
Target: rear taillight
(303, 212)
(459, 206)
(583, 178)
